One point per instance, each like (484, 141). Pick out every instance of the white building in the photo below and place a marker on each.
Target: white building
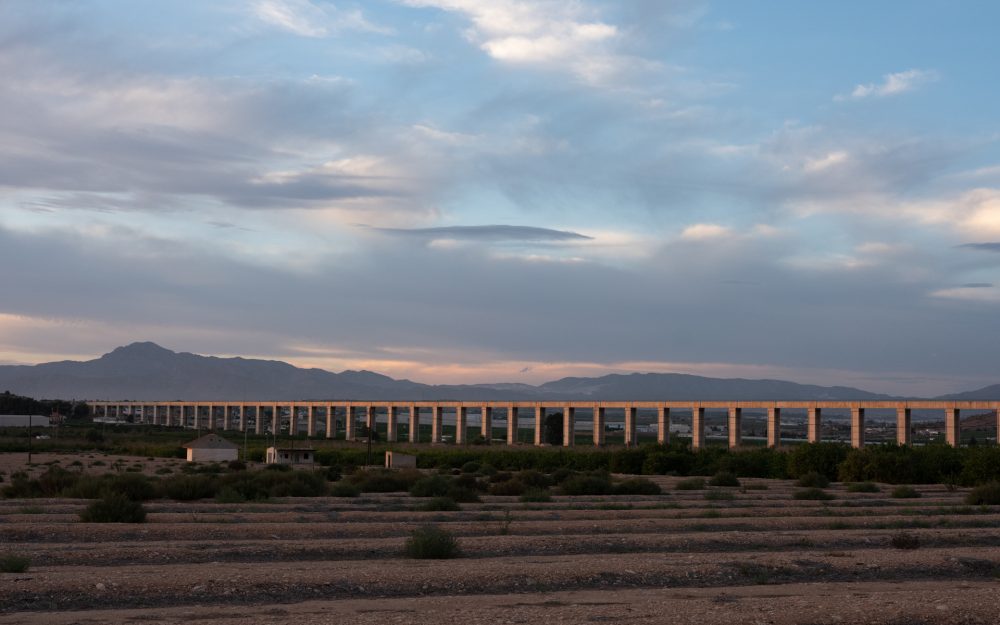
(291, 455)
(211, 448)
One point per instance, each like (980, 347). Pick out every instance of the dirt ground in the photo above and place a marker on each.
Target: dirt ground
(759, 557)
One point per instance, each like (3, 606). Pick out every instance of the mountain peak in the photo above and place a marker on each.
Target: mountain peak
(140, 349)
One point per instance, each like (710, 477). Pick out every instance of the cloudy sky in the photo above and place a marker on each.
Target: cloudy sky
(462, 190)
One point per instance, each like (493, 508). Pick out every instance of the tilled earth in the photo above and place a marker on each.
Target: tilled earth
(761, 557)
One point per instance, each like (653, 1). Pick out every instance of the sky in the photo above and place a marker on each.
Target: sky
(459, 191)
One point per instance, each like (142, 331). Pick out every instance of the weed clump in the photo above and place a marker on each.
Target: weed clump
(813, 479)
(863, 487)
(905, 492)
(724, 478)
(814, 494)
(536, 495)
(985, 495)
(636, 486)
(440, 504)
(692, 483)
(13, 563)
(430, 542)
(904, 540)
(114, 508)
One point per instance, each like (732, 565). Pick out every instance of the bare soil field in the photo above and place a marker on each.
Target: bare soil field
(760, 556)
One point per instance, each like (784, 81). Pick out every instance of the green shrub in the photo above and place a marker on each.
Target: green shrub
(133, 485)
(533, 479)
(470, 467)
(236, 465)
(561, 475)
(487, 470)
(114, 508)
(814, 493)
(905, 492)
(813, 479)
(587, 485)
(692, 483)
(431, 486)
(385, 480)
(440, 504)
(13, 563)
(724, 478)
(636, 486)
(863, 487)
(536, 495)
(719, 495)
(344, 489)
(228, 494)
(462, 494)
(431, 543)
(985, 495)
(188, 487)
(756, 486)
(822, 458)
(904, 540)
(509, 488)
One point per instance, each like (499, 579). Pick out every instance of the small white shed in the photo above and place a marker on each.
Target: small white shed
(299, 456)
(211, 448)
(396, 460)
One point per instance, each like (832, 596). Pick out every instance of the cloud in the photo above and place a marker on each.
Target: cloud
(701, 232)
(990, 246)
(487, 233)
(546, 33)
(308, 19)
(892, 84)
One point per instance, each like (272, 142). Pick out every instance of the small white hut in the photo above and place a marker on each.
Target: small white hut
(211, 448)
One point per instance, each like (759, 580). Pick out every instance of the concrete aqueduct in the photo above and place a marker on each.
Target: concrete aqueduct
(267, 416)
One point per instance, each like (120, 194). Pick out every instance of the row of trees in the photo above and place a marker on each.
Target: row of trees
(18, 404)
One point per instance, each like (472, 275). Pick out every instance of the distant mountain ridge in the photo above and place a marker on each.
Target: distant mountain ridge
(147, 372)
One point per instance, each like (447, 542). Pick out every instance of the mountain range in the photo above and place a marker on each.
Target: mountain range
(145, 371)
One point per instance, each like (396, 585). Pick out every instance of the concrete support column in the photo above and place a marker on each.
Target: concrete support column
(197, 417)
(630, 430)
(697, 427)
(392, 418)
(293, 419)
(461, 416)
(903, 422)
(331, 422)
(774, 427)
(814, 419)
(156, 414)
(311, 421)
(598, 426)
(349, 422)
(569, 426)
(663, 425)
(370, 420)
(952, 426)
(437, 423)
(414, 433)
(735, 427)
(258, 419)
(539, 423)
(857, 427)
(486, 424)
(210, 417)
(275, 419)
(243, 418)
(511, 424)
